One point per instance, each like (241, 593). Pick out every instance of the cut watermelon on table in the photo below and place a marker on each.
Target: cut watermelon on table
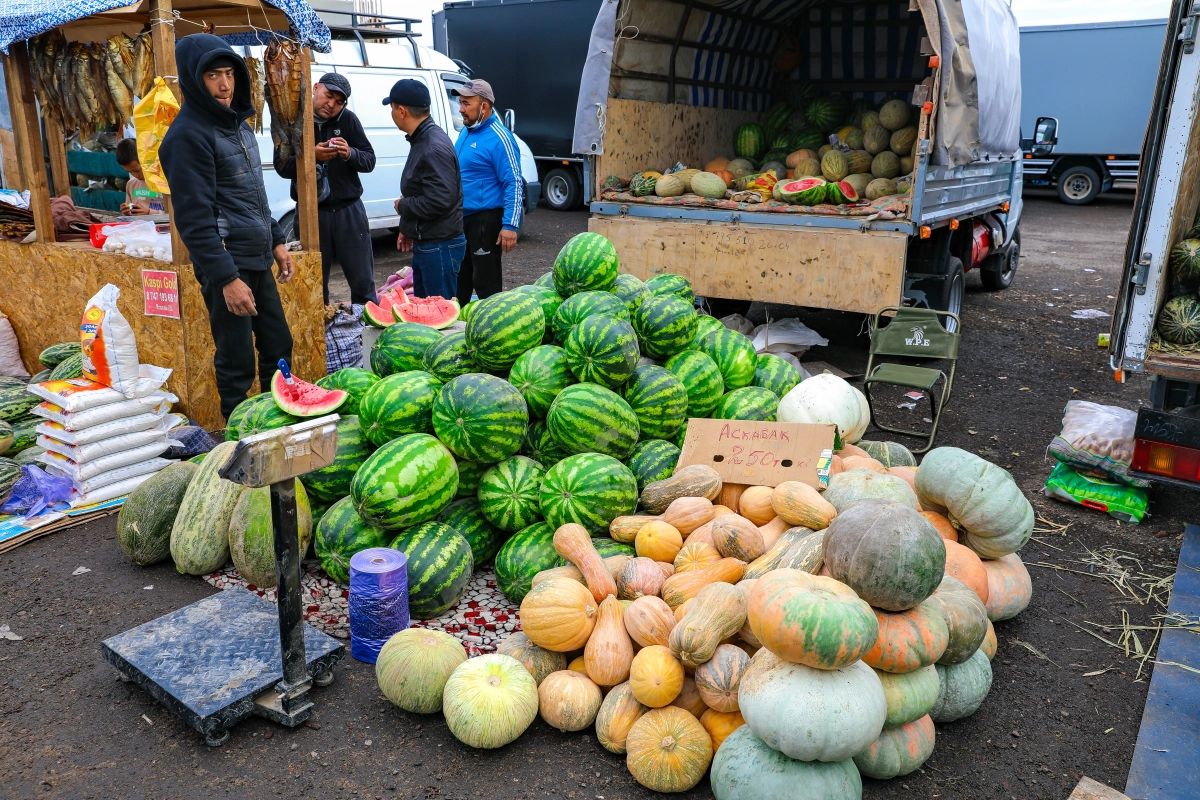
(302, 399)
(436, 312)
(382, 314)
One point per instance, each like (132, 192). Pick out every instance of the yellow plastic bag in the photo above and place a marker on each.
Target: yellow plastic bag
(151, 119)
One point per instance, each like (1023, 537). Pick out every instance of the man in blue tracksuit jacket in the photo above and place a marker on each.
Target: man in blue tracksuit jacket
(493, 191)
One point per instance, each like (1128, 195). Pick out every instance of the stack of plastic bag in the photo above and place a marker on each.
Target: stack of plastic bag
(1094, 450)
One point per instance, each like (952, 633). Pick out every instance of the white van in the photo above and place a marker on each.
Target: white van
(371, 80)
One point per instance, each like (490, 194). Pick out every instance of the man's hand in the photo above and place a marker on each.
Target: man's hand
(396, 204)
(507, 240)
(287, 267)
(325, 151)
(404, 244)
(239, 299)
(342, 147)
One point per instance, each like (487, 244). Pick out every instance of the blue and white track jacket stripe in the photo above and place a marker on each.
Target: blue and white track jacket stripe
(490, 165)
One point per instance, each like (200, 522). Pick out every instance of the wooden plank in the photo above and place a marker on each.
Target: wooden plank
(27, 131)
(13, 178)
(162, 32)
(844, 270)
(306, 163)
(60, 177)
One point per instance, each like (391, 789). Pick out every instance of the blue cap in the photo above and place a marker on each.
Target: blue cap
(408, 92)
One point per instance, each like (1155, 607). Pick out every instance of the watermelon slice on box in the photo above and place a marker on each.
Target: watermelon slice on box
(382, 314)
(436, 312)
(804, 192)
(301, 398)
(841, 192)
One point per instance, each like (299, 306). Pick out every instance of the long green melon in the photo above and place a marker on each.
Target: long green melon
(69, 367)
(466, 517)
(439, 567)
(354, 381)
(589, 489)
(252, 534)
(578, 307)
(200, 533)
(602, 350)
(55, 354)
(587, 262)
(503, 327)
(659, 400)
(509, 493)
(539, 375)
(524, 555)
(480, 417)
(145, 522)
(589, 418)
(15, 402)
(401, 348)
(6, 437)
(406, 482)
(398, 405)
(450, 357)
(340, 534)
(333, 482)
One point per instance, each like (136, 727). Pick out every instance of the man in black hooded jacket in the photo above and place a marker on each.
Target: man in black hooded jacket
(211, 161)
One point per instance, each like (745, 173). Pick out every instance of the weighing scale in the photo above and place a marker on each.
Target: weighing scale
(219, 660)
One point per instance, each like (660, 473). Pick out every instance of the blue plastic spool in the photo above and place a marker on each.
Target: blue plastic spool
(378, 601)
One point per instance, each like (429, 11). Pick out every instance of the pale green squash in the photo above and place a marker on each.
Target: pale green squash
(849, 487)
(982, 500)
(966, 619)
(910, 695)
(898, 751)
(745, 768)
(963, 688)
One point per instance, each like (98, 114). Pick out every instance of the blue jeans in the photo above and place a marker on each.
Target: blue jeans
(435, 266)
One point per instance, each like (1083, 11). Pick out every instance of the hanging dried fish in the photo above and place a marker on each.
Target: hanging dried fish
(143, 64)
(117, 90)
(35, 48)
(97, 58)
(81, 81)
(64, 85)
(48, 53)
(257, 90)
(120, 53)
(284, 84)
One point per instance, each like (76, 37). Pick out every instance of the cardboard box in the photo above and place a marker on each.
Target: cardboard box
(760, 453)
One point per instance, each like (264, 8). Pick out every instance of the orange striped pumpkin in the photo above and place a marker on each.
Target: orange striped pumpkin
(908, 640)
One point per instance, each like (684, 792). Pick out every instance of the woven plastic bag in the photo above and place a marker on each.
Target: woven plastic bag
(1126, 503)
(151, 119)
(110, 354)
(1096, 437)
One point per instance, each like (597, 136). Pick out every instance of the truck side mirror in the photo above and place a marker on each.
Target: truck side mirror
(510, 119)
(1045, 136)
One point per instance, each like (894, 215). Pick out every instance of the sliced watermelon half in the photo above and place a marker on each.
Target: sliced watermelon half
(436, 312)
(382, 314)
(804, 192)
(303, 399)
(841, 192)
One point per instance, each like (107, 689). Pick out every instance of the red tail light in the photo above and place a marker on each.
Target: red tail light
(1169, 460)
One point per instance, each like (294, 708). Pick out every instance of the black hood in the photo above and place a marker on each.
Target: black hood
(193, 56)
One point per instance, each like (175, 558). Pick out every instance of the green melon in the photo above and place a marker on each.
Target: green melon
(539, 375)
(55, 354)
(834, 166)
(659, 400)
(546, 279)
(541, 446)
(333, 481)
(642, 185)
(145, 522)
(340, 534)
(252, 534)
(450, 357)
(734, 355)
(877, 139)
(401, 348)
(709, 185)
(749, 403)
(263, 415)
(706, 324)
(652, 460)
(1185, 260)
(469, 473)
(701, 377)
(355, 382)
(602, 350)
(886, 165)
(590, 418)
(466, 517)
(200, 532)
(439, 567)
(509, 493)
(890, 454)
(398, 405)
(903, 140)
(589, 489)
(69, 367)
(669, 283)
(525, 554)
(774, 373)
(10, 473)
(665, 325)
(808, 191)
(587, 262)
(503, 327)
(480, 417)
(894, 114)
(880, 188)
(582, 305)
(406, 482)
(1179, 320)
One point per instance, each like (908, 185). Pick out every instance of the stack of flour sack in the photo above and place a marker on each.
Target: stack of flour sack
(106, 431)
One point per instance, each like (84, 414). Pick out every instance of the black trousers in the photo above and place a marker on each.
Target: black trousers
(481, 272)
(346, 236)
(236, 338)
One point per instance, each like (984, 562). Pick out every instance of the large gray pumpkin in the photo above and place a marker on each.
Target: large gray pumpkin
(745, 768)
(847, 488)
(962, 688)
(966, 618)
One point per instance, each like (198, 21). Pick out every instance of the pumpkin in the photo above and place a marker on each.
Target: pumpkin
(696, 480)
(570, 572)
(668, 750)
(718, 678)
(685, 585)
(944, 528)
(720, 724)
(574, 543)
(639, 577)
(413, 666)
(755, 504)
(1009, 587)
(689, 698)
(772, 531)
(850, 463)
(851, 486)
(667, 569)
(614, 564)
(737, 537)
(983, 501)
(807, 619)
(835, 466)
(719, 509)
(539, 661)
(886, 552)
(716, 165)
(898, 751)
(746, 768)
(717, 612)
(703, 535)
(609, 651)
(726, 176)
(731, 495)
(658, 541)
(890, 454)
(962, 563)
(695, 555)
(559, 615)
(489, 701)
(963, 688)
(655, 677)
(852, 450)
(910, 695)
(648, 621)
(770, 558)
(966, 619)
(812, 714)
(624, 529)
(826, 399)
(681, 610)
(908, 640)
(578, 665)
(806, 555)
(746, 586)
(800, 504)
(616, 716)
(568, 700)
(990, 645)
(909, 476)
(685, 514)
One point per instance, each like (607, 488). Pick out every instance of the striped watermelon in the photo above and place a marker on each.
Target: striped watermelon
(749, 141)
(398, 405)
(55, 354)
(590, 489)
(6, 437)
(706, 324)
(777, 118)
(680, 437)
(821, 114)
(652, 460)
(774, 373)
(539, 375)
(545, 279)
(40, 377)
(340, 534)
(701, 377)
(10, 473)
(406, 482)
(734, 354)
(24, 436)
(541, 446)
(665, 325)
(659, 400)
(70, 367)
(1179, 320)
(580, 306)
(667, 283)
(466, 517)
(15, 402)
(603, 350)
(750, 403)
(587, 262)
(508, 493)
(264, 415)
(234, 423)
(401, 348)
(631, 290)
(480, 417)
(586, 418)
(469, 473)
(525, 554)
(503, 327)
(9, 382)
(329, 483)
(449, 357)
(439, 567)
(545, 295)
(354, 381)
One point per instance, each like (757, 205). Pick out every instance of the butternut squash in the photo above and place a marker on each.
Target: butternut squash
(770, 558)
(696, 480)
(731, 495)
(617, 714)
(685, 514)
(717, 612)
(686, 585)
(658, 541)
(573, 543)
(608, 652)
(559, 615)
(737, 537)
(695, 555)
(771, 531)
(800, 504)
(703, 534)
(682, 610)
(640, 576)
(806, 555)
(755, 504)
(649, 621)
(624, 529)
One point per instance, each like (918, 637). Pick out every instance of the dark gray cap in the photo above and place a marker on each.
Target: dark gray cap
(335, 82)
(408, 92)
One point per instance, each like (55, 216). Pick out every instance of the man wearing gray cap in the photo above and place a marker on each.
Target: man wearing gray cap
(343, 151)
(493, 191)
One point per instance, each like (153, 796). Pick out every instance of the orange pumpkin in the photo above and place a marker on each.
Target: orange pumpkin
(800, 504)
(609, 651)
(717, 164)
(559, 615)
(962, 563)
(810, 620)
(616, 716)
(720, 724)
(726, 176)
(791, 173)
(685, 514)
(668, 750)
(689, 697)
(648, 621)
(568, 700)
(862, 462)
(681, 611)
(624, 529)
(655, 676)
(667, 569)
(640, 576)
(835, 466)
(1009, 587)
(703, 534)
(755, 504)
(731, 494)
(942, 523)
(695, 555)
(737, 537)
(719, 509)
(908, 640)
(578, 665)
(718, 679)
(539, 661)
(658, 541)
(853, 449)
(990, 644)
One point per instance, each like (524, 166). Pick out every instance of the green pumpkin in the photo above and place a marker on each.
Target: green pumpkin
(962, 688)
(910, 695)
(966, 619)
(890, 454)
(745, 768)
(898, 751)
(846, 488)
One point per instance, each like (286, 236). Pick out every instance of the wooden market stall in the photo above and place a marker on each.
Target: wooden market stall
(45, 285)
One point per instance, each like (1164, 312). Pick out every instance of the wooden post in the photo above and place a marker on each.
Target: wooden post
(306, 163)
(58, 157)
(162, 34)
(26, 130)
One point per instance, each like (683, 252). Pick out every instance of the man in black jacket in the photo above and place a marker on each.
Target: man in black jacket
(211, 162)
(430, 206)
(343, 151)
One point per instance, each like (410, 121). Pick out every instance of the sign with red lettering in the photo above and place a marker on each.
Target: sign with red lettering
(160, 288)
(760, 453)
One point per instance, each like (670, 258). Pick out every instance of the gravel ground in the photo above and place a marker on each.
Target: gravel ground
(69, 729)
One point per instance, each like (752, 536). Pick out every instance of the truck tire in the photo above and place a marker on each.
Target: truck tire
(1078, 186)
(954, 288)
(996, 279)
(561, 189)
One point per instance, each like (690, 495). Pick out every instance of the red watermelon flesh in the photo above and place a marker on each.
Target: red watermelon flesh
(805, 192)
(382, 314)
(303, 399)
(842, 192)
(436, 312)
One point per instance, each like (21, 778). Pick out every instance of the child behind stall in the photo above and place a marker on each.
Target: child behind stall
(139, 198)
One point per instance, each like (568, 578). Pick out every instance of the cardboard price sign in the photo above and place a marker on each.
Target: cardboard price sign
(760, 453)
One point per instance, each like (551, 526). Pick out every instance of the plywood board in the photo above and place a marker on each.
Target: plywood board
(844, 270)
(760, 453)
